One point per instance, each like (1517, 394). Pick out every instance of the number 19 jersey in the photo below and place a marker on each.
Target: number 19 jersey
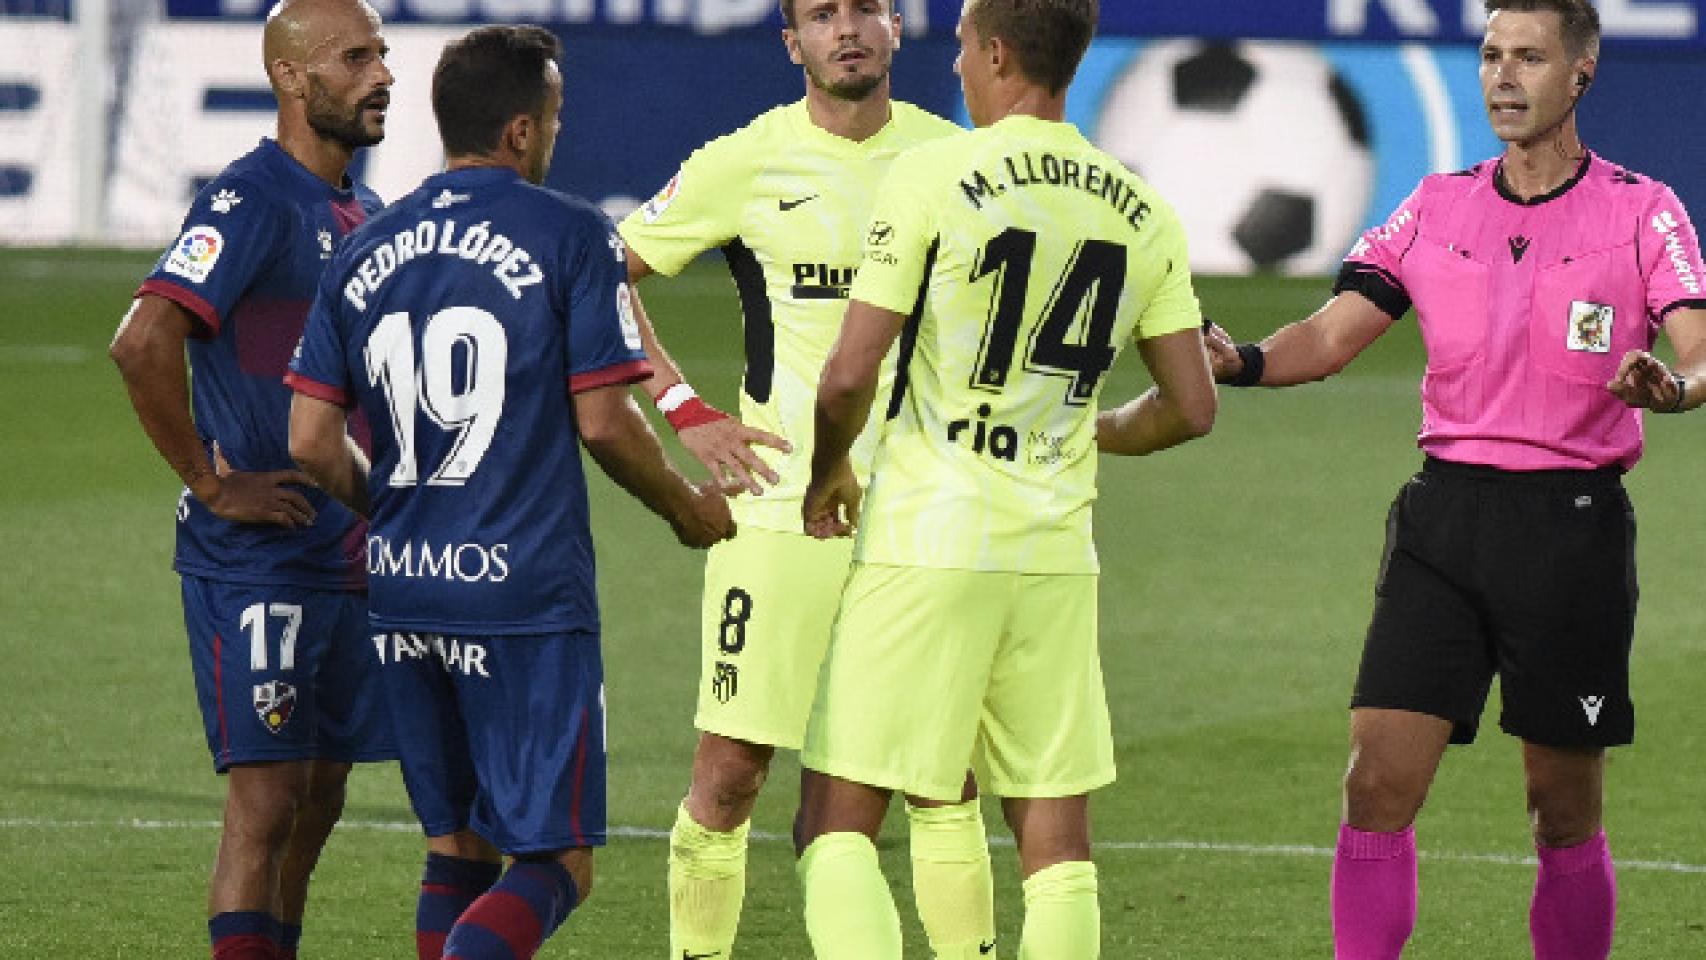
(461, 320)
(1025, 260)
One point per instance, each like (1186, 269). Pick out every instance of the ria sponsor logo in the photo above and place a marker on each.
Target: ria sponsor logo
(455, 562)
(998, 440)
(1668, 227)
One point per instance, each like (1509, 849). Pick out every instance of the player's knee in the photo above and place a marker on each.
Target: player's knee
(732, 773)
(326, 791)
(1561, 818)
(1380, 799)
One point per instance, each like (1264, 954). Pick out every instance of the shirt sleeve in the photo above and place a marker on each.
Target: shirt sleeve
(603, 336)
(1174, 306)
(899, 240)
(1670, 252)
(697, 210)
(229, 235)
(1375, 266)
(319, 368)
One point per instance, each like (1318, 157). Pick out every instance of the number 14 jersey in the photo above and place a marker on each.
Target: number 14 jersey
(461, 320)
(1025, 260)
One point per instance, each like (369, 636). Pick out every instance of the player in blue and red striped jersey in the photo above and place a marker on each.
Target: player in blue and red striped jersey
(483, 324)
(272, 587)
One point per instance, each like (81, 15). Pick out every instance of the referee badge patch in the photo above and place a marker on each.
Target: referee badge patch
(1590, 327)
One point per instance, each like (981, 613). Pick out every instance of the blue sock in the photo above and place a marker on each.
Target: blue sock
(289, 938)
(243, 935)
(448, 885)
(513, 918)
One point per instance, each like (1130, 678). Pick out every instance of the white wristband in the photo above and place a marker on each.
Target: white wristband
(672, 399)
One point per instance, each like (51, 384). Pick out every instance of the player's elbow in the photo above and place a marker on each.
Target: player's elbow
(129, 352)
(1196, 419)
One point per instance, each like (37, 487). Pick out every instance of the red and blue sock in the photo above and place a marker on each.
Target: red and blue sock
(244, 935)
(511, 920)
(448, 886)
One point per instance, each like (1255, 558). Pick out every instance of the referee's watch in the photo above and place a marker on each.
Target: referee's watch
(1680, 382)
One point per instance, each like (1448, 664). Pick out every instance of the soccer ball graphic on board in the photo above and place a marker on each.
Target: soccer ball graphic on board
(1261, 148)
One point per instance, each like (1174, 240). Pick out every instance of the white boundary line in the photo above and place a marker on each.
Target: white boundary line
(1133, 846)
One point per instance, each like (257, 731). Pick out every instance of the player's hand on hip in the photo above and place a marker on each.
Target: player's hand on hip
(725, 447)
(831, 507)
(1223, 357)
(707, 520)
(259, 497)
(1643, 380)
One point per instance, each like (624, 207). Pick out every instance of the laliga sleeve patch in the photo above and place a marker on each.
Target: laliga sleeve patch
(655, 207)
(196, 253)
(625, 314)
(1590, 327)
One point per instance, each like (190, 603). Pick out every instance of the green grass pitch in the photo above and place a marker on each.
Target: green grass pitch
(1237, 580)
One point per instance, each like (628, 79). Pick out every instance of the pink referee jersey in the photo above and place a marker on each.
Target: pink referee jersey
(1526, 308)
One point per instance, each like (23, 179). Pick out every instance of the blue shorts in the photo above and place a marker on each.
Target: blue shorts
(501, 735)
(284, 673)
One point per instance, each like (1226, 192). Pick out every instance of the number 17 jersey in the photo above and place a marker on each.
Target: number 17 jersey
(1025, 259)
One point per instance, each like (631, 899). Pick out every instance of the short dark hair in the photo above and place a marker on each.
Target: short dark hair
(1048, 37)
(1579, 21)
(487, 78)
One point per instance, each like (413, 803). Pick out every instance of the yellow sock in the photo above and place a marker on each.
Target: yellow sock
(951, 880)
(707, 883)
(1062, 918)
(850, 913)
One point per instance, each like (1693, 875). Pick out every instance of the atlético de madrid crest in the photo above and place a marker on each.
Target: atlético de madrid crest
(275, 701)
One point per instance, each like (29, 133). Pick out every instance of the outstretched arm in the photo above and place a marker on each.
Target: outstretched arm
(1644, 380)
(1180, 407)
(720, 442)
(1311, 349)
(619, 438)
(149, 351)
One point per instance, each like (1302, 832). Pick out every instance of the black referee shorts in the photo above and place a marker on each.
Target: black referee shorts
(1527, 575)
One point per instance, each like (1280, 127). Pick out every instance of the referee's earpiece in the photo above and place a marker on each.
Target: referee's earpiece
(1583, 81)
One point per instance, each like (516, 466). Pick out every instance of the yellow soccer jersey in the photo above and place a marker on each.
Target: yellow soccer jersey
(1026, 259)
(787, 202)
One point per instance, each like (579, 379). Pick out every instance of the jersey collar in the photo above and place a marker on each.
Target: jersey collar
(802, 118)
(1504, 189)
(293, 168)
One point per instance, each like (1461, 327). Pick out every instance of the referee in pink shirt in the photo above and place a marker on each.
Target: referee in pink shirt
(1540, 280)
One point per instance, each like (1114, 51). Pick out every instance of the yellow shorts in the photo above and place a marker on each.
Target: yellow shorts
(770, 598)
(933, 671)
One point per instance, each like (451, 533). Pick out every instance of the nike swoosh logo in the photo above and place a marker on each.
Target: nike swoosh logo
(700, 956)
(787, 205)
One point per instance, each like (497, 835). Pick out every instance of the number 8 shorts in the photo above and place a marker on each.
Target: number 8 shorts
(770, 599)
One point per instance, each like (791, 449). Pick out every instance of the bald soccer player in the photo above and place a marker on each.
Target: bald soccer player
(273, 580)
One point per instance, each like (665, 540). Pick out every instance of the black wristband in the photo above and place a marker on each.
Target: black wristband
(1255, 362)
